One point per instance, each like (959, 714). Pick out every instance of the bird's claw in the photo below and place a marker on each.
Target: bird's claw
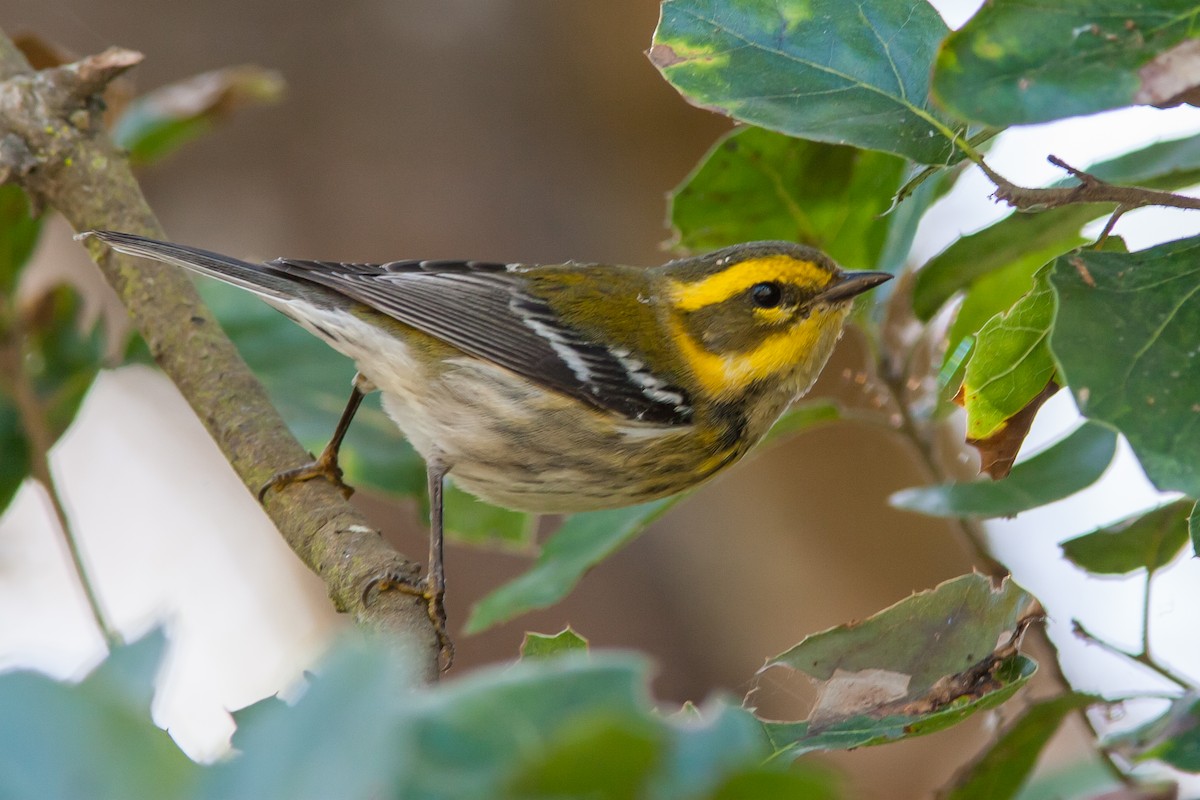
(424, 589)
(325, 466)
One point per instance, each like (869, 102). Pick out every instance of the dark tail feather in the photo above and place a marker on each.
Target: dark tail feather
(252, 277)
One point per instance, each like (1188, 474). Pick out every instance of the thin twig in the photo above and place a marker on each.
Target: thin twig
(1090, 190)
(37, 431)
(1142, 658)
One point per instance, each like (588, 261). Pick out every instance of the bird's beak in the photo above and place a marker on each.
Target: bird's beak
(851, 284)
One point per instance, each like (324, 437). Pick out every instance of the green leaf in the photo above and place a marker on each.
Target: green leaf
(988, 296)
(915, 666)
(1011, 363)
(827, 196)
(798, 738)
(1026, 239)
(1012, 64)
(338, 740)
(1173, 164)
(14, 467)
(468, 519)
(61, 358)
(459, 740)
(57, 362)
(1003, 769)
(605, 758)
(1069, 465)
(1194, 528)
(925, 637)
(1147, 540)
(807, 782)
(583, 541)
(93, 739)
(1140, 311)
(1173, 738)
(19, 231)
(160, 122)
(130, 671)
(843, 73)
(540, 645)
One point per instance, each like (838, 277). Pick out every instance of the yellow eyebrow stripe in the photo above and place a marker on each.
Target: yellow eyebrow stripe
(694, 295)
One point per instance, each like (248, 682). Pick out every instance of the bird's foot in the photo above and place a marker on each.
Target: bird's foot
(325, 466)
(433, 596)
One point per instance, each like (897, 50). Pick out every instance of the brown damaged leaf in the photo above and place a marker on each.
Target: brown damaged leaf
(998, 452)
(849, 694)
(1173, 78)
(40, 53)
(663, 56)
(217, 93)
(928, 652)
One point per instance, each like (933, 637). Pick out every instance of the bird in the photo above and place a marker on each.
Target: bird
(557, 388)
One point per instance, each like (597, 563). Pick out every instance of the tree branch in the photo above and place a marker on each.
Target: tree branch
(1090, 190)
(55, 147)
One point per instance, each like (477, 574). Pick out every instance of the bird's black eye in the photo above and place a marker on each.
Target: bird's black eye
(766, 295)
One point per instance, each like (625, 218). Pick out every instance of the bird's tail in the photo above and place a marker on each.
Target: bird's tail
(256, 278)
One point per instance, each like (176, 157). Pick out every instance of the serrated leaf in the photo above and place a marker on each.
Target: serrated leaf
(1140, 311)
(1011, 362)
(129, 672)
(19, 231)
(1173, 738)
(347, 715)
(844, 73)
(583, 541)
(1008, 66)
(93, 739)
(1148, 540)
(827, 196)
(540, 645)
(1004, 767)
(161, 121)
(1072, 463)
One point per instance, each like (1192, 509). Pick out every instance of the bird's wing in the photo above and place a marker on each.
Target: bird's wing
(484, 309)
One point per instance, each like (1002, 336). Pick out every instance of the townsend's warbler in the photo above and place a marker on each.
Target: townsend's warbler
(564, 387)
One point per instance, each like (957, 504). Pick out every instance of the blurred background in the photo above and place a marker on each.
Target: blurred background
(512, 130)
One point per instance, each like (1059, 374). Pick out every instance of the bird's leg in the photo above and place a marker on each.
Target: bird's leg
(326, 464)
(435, 580)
